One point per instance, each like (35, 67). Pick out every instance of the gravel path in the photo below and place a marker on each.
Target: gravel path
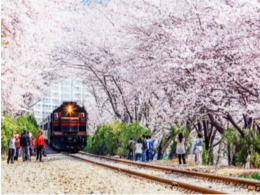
(181, 178)
(65, 175)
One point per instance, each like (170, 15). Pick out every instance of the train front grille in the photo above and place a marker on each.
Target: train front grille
(69, 124)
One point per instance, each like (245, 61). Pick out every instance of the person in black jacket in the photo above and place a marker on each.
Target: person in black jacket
(144, 148)
(131, 149)
(25, 144)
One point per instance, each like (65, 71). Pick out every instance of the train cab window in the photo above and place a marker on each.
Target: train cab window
(82, 116)
(56, 116)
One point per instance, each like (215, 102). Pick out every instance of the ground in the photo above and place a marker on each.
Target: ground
(222, 170)
(69, 176)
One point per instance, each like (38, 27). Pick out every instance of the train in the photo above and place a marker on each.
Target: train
(66, 127)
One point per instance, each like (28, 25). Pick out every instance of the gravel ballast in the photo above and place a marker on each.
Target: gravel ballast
(176, 177)
(70, 176)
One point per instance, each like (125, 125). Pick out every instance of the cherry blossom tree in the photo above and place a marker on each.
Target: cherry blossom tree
(177, 60)
(156, 62)
(28, 30)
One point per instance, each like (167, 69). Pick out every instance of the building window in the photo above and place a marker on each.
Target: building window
(55, 87)
(55, 94)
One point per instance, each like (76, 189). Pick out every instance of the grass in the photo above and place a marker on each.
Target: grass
(255, 176)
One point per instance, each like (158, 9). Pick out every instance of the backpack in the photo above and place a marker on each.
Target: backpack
(131, 146)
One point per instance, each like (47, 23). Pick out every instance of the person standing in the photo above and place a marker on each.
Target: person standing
(25, 144)
(180, 147)
(131, 148)
(144, 148)
(11, 148)
(17, 152)
(31, 146)
(147, 151)
(150, 148)
(39, 145)
(138, 149)
(198, 140)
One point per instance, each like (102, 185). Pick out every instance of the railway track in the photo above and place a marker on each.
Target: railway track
(233, 180)
(221, 183)
(180, 186)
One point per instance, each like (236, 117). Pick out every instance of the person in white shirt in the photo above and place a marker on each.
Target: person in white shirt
(198, 147)
(180, 148)
(11, 149)
(138, 149)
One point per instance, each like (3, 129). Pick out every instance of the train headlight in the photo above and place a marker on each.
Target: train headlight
(69, 109)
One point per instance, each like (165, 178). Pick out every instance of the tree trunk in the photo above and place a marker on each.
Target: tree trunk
(172, 155)
(229, 154)
(207, 138)
(160, 149)
(216, 124)
(160, 152)
(230, 119)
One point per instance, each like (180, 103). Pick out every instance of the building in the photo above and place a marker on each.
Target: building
(58, 92)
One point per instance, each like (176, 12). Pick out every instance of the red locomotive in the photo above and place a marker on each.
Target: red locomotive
(66, 127)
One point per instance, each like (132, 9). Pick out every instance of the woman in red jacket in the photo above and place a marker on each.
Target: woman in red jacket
(39, 145)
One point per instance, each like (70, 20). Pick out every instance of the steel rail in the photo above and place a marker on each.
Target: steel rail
(252, 184)
(188, 187)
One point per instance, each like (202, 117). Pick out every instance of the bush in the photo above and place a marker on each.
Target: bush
(113, 138)
(11, 125)
(210, 155)
(126, 132)
(238, 148)
(255, 159)
(102, 142)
